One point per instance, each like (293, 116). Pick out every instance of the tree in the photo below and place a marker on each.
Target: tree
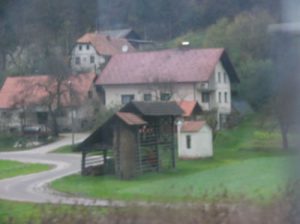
(286, 103)
(247, 41)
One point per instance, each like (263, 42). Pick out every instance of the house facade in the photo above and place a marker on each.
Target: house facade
(202, 75)
(92, 51)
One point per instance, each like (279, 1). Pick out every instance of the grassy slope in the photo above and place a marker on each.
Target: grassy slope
(12, 168)
(247, 162)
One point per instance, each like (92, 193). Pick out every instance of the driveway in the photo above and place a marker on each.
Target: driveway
(34, 187)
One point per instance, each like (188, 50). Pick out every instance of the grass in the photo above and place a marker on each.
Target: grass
(7, 142)
(20, 213)
(65, 149)
(12, 168)
(248, 162)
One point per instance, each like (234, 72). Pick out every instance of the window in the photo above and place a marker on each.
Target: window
(147, 97)
(77, 60)
(188, 142)
(92, 59)
(80, 47)
(205, 97)
(90, 94)
(225, 97)
(127, 98)
(220, 97)
(225, 77)
(87, 46)
(165, 96)
(219, 77)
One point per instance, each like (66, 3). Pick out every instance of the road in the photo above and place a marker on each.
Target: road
(34, 187)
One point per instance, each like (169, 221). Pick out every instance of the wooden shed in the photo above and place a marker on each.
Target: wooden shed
(141, 138)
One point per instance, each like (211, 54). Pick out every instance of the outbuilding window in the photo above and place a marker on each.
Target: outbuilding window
(165, 96)
(147, 97)
(188, 142)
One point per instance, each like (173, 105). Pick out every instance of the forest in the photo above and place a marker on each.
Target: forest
(44, 28)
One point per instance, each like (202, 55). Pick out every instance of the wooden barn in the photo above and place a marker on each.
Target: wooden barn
(139, 138)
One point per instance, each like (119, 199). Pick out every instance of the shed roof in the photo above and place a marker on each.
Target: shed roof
(172, 65)
(104, 44)
(189, 107)
(192, 126)
(160, 108)
(130, 118)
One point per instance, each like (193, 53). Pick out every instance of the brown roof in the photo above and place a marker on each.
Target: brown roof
(153, 108)
(33, 90)
(192, 126)
(188, 107)
(130, 118)
(105, 44)
(173, 65)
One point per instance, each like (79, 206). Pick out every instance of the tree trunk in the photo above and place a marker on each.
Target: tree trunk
(284, 136)
(54, 125)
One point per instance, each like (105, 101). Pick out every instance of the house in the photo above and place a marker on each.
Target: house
(92, 51)
(195, 140)
(141, 136)
(25, 101)
(202, 75)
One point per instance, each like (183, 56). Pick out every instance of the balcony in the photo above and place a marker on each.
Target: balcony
(205, 87)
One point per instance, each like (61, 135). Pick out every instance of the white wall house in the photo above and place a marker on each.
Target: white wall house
(202, 75)
(195, 140)
(92, 51)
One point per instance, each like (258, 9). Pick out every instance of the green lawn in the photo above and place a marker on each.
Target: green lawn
(12, 168)
(65, 149)
(248, 162)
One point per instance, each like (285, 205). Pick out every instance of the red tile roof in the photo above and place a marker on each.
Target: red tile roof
(130, 118)
(188, 107)
(31, 90)
(173, 65)
(192, 126)
(105, 44)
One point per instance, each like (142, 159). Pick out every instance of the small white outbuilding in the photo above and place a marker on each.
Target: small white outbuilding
(195, 140)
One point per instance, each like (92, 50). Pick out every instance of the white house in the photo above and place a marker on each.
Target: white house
(202, 75)
(93, 50)
(195, 140)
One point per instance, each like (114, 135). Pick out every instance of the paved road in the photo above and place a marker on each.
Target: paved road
(34, 187)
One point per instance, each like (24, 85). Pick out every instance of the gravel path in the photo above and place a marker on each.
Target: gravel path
(34, 187)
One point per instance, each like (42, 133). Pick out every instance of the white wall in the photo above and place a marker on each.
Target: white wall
(84, 54)
(222, 85)
(201, 144)
(180, 91)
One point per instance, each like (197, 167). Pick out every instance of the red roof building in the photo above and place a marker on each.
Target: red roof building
(175, 65)
(35, 90)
